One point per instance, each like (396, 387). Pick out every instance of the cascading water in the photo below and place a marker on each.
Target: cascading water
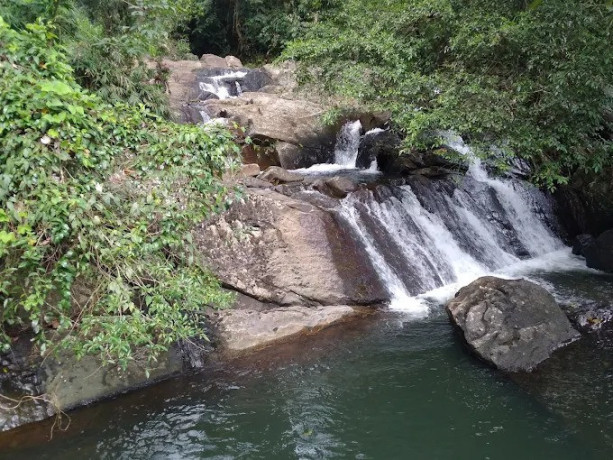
(220, 85)
(432, 234)
(346, 151)
(347, 144)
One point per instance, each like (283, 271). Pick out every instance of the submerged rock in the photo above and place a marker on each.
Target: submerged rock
(512, 324)
(599, 252)
(243, 329)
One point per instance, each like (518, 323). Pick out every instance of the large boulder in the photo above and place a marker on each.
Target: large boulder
(211, 60)
(336, 187)
(512, 324)
(284, 251)
(380, 145)
(599, 252)
(294, 125)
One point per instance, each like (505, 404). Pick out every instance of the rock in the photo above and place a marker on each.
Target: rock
(255, 80)
(253, 182)
(432, 171)
(585, 205)
(284, 251)
(512, 324)
(60, 383)
(336, 187)
(211, 60)
(276, 175)
(599, 254)
(233, 62)
(293, 126)
(376, 146)
(582, 243)
(180, 87)
(249, 170)
(242, 329)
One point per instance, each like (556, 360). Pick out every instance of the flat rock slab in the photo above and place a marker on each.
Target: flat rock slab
(512, 324)
(242, 330)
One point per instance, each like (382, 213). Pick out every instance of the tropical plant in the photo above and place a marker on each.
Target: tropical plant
(531, 79)
(98, 199)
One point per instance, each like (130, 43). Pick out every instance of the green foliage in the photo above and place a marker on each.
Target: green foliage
(251, 28)
(535, 79)
(98, 199)
(111, 44)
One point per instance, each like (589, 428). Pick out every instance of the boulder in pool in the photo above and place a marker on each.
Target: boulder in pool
(512, 324)
(599, 252)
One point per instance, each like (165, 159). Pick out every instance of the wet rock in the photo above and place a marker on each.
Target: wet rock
(37, 390)
(599, 252)
(276, 175)
(242, 329)
(336, 187)
(512, 324)
(432, 171)
(591, 316)
(582, 243)
(255, 80)
(381, 146)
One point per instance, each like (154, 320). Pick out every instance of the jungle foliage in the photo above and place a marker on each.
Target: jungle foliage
(252, 29)
(97, 204)
(529, 79)
(112, 45)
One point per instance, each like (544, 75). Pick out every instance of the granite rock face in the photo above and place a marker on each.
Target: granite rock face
(285, 251)
(512, 324)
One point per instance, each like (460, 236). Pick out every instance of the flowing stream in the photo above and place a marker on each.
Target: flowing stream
(426, 236)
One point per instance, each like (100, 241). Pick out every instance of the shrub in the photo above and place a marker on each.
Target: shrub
(100, 198)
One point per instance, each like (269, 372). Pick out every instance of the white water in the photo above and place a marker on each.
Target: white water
(346, 152)
(347, 144)
(421, 255)
(219, 85)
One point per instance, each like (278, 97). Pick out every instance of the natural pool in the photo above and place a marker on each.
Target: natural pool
(385, 388)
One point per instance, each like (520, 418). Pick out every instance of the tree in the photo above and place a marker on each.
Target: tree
(532, 79)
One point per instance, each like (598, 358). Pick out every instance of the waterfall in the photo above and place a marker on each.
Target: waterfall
(347, 144)
(221, 85)
(435, 233)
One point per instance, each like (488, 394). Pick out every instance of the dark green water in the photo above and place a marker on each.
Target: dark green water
(383, 389)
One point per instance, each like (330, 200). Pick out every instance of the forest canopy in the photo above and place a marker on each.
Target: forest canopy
(528, 79)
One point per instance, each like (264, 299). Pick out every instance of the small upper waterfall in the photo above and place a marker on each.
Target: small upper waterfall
(223, 86)
(434, 233)
(346, 151)
(347, 144)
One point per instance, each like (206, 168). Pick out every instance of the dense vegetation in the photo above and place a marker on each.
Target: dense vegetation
(251, 28)
(112, 44)
(534, 79)
(97, 201)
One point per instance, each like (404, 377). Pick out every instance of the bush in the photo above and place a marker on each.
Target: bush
(98, 198)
